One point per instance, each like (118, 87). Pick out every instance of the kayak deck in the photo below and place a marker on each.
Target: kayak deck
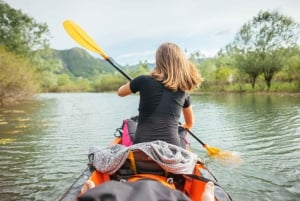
(139, 166)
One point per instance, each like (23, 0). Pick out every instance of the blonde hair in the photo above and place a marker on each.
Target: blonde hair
(174, 70)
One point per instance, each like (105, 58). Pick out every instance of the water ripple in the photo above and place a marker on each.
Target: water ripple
(47, 155)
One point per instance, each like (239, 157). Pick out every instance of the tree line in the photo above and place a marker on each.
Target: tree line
(263, 56)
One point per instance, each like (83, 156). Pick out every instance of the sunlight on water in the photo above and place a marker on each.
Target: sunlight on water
(44, 144)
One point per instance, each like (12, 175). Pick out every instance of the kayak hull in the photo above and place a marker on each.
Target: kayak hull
(139, 167)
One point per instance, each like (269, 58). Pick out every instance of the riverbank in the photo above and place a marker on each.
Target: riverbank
(5, 103)
(254, 93)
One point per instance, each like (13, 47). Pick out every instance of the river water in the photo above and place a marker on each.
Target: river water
(44, 143)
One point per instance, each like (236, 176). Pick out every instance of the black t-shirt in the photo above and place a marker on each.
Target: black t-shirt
(159, 110)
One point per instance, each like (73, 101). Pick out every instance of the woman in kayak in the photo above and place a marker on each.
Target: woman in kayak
(163, 95)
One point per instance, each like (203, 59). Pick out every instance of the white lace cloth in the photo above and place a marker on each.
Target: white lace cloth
(170, 157)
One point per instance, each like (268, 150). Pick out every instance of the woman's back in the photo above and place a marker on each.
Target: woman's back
(163, 95)
(159, 110)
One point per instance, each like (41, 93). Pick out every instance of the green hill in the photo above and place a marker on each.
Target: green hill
(79, 63)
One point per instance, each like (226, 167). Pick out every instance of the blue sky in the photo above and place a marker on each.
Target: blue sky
(131, 30)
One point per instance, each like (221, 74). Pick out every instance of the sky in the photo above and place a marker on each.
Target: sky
(130, 31)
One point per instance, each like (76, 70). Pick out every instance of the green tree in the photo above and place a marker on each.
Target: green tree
(17, 78)
(224, 59)
(292, 66)
(249, 63)
(197, 56)
(262, 43)
(207, 68)
(47, 81)
(47, 65)
(63, 80)
(141, 69)
(109, 82)
(244, 60)
(83, 84)
(20, 33)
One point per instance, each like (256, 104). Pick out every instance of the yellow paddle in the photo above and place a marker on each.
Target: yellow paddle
(82, 38)
(210, 150)
(216, 152)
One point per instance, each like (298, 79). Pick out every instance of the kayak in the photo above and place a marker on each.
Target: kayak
(140, 176)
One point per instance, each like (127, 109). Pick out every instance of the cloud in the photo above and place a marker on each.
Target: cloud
(136, 26)
(130, 57)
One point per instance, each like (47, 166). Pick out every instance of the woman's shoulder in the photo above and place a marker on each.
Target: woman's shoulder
(144, 78)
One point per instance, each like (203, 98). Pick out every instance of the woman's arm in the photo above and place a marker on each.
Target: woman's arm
(124, 90)
(188, 117)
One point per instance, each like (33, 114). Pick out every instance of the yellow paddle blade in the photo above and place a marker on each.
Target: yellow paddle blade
(212, 150)
(222, 154)
(82, 38)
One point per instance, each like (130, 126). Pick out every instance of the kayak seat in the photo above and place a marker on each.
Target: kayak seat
(145, 165)
(139, 163)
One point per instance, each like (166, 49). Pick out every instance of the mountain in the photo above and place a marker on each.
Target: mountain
(80, 63)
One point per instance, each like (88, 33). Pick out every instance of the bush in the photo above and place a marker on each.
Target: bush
(17, 78)
(109, 82)
(285, 87)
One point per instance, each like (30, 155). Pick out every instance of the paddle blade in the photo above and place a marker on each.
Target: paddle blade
(82, 38)
(222, 154)
(211, 150)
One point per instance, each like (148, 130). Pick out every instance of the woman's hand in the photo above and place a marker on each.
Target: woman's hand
(185, 126)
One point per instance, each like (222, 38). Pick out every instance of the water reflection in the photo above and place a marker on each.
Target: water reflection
(265, 130)
(44, 143)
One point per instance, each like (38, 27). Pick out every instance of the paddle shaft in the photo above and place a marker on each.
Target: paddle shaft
(116, 66)
(195, 137)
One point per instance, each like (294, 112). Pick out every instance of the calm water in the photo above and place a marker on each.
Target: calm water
(43, 144)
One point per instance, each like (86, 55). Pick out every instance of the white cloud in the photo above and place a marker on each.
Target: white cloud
(129, 58)
(121, 27)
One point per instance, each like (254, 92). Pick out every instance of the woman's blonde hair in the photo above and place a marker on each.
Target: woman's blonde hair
(174, 70)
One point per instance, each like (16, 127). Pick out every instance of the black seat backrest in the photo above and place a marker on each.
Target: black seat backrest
(144, 164)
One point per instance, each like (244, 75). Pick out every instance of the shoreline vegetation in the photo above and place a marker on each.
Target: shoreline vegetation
(263, 58)
(296, 94)
(196, 93)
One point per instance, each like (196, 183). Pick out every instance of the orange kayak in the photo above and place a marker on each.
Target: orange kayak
(137, 172)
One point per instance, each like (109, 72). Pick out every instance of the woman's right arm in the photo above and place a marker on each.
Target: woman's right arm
(124, 90)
